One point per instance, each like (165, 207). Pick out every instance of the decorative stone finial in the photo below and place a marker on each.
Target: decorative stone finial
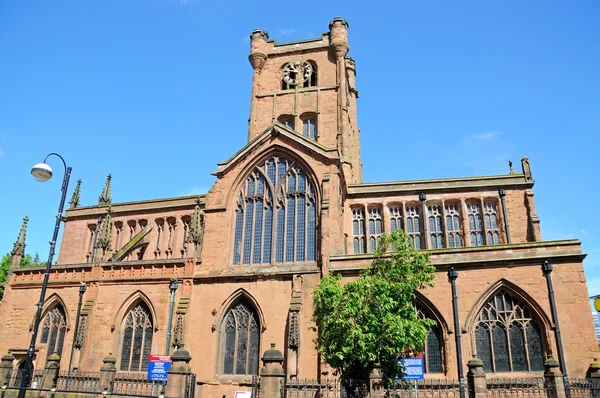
(76, 195)
(19, 246)
(104, 235)
(104, 198)
(510, 167)
(196, 224)
(526, 168)
(272, 355)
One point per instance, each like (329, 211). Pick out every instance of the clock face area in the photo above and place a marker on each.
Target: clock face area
(297, 74)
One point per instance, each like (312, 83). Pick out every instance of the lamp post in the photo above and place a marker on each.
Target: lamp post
(43, 172)
(172, 287)
(452, 276)
(82, 289)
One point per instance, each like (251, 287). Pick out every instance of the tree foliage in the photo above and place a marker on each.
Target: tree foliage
(372, 319)
(26, 261)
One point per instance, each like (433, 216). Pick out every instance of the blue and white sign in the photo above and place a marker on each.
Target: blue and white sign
(414, 368)
(158, 367)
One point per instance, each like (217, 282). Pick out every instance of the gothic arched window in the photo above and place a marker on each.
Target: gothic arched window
(508, 338)
(275, 217)
(436, 231)
(432, 349)
(54, 328)
(240, 340)
(137, 338)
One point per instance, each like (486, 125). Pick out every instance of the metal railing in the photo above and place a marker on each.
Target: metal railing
(79, 381)
(329, 388)
(429, 388)
(518, 387)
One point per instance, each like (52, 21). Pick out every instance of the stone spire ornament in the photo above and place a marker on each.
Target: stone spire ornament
(510, 166)
(104, 235)
(104, 198)
(75, 199)
(18, 251)
(196, 231)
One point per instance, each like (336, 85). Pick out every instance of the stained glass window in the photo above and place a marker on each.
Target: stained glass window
(508, 337)
(413, 226)
(433, 346)
(137, 338)
(358, 229)
(240, 340)
(275, 215)
(54, 328)
(453, 229)
(375, 228)
(475, 228)
(491, 223)
(436, 232)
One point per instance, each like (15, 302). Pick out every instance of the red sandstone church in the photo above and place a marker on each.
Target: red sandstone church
(286, 209)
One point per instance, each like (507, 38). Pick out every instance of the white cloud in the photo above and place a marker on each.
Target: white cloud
(194, 191)
(286, 31)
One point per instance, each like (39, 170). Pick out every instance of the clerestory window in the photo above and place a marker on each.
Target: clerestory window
(275, 216)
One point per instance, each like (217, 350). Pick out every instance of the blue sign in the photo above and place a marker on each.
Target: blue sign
(158, 367)
(414, 368)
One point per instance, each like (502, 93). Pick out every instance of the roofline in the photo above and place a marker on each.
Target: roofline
(440, 184)
(118, 207)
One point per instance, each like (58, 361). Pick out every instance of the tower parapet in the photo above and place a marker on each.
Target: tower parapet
(258, 48)
(338, 37)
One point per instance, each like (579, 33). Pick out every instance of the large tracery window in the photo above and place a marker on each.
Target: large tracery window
(453, 225)
(275, 219)
(475, 230)
(432, 349)
(508, 338)
(413, 225)
(54, 328)
(375, 228)
(436, 232)
(240, 340)
(491, 223)
(137, 339)
(358, 230)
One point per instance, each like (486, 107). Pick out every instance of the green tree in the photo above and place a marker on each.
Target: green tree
(369, 321)
(26, 261)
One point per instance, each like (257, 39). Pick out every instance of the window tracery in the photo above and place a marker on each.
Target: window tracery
(358, 229)
(54, 328)
(240, 340)
(275, 219)
(436, 232)
(432, 349)
(475, 228)
(137, 339)
(453, 228)
(396, 221)
(375, 228)
(413, 226)
(508, 338)
(490, 216)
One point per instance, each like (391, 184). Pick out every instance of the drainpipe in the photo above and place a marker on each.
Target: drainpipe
(502, 194)
(547, 269)
(423, 198)
(452, 276)
(172, 287)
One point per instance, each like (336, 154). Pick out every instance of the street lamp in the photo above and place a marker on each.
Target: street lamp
(43, 172)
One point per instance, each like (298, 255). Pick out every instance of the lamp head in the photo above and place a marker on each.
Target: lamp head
(41, 172)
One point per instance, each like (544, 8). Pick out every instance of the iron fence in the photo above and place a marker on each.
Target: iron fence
(78, 381)
(518, 388)
(136, 384)
(330, 388)
(584, 388)
(190, 385)
(14, 378)
(429, 388)
(255, 387)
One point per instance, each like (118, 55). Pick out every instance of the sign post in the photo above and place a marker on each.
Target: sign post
(158, 367)
(414, 368)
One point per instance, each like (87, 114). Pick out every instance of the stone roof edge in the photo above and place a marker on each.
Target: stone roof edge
(493, 248)
(299, 45)
(121, 207)
(441, 184)
(275, 129)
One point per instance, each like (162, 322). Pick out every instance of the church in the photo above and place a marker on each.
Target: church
(241, 261)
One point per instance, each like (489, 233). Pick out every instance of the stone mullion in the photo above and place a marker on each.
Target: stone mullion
(296, 211)
(526, 344)
(285, 218)
(306, 203)
(492, 354)
(484, 229)
(262, 233)
(253, 230)
(242, 236)
(445, 232)
(404, 218)
(366, 228)
(465, 223)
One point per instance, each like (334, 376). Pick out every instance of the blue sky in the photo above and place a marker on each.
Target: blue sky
(156, 92)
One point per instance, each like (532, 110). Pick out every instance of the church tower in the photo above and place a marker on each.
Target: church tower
(308, 86)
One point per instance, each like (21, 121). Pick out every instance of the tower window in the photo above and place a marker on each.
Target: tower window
(287, 121)
(309, 126)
